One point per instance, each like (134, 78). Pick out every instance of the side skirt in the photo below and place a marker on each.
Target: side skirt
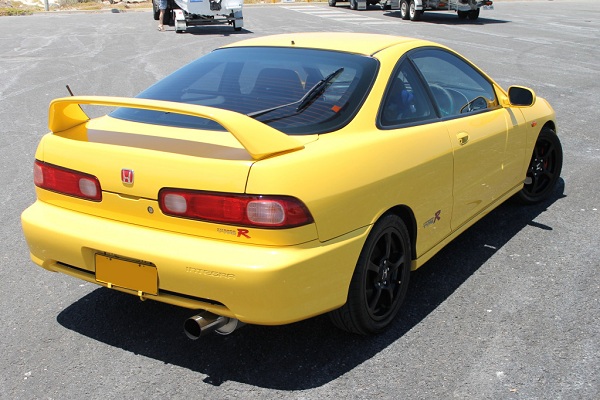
(431, 252)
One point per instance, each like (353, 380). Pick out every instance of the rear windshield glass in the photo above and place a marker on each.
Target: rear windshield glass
(256, 81)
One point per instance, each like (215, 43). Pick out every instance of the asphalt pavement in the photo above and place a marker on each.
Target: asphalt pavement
(509, 310)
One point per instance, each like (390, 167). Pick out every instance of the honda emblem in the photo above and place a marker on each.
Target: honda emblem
(127, 176)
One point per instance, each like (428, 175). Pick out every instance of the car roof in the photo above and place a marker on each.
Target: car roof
(360, 43)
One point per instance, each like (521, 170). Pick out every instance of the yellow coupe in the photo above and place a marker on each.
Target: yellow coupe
(287, 176)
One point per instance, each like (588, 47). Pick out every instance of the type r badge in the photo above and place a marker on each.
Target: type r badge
(127, 176)
(432, 220)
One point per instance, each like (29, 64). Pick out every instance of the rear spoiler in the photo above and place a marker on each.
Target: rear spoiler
(258, 139)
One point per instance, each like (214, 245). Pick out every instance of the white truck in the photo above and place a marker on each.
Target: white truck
(185, 13)
(413, 9)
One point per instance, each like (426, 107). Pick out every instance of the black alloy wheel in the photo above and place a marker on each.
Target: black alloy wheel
(380, 280)
(544, 168)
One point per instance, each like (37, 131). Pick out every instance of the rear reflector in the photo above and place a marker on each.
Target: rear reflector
(66, 181)
(244, 210)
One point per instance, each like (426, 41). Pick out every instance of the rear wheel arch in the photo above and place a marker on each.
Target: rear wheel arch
(380, 278)
(408, 217)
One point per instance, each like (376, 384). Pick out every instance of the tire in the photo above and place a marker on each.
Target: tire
(462, 14)
(380, 280)
(414, 14)
(544, 168)
(474, 14)
(331, 3)
(404, 10)
(180, 26)
(353, 4)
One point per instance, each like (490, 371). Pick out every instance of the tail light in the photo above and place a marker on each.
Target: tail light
(243, 210)
(66, 181)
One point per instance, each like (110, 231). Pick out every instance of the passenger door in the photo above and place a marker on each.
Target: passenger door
(477, 126)
(425, 152)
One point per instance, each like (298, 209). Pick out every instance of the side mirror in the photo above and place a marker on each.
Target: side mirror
(521, 96)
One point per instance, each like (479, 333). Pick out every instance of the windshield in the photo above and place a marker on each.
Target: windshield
(250, 80)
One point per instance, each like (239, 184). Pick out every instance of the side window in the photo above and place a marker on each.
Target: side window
(456, 86)
(406, 100)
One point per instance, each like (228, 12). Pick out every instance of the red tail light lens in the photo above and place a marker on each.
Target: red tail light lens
(66, 181)
(243, 210)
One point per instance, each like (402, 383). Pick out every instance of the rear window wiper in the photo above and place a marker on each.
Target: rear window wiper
(314, 93)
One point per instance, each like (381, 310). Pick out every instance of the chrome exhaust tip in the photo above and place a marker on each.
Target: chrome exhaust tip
(206, 322)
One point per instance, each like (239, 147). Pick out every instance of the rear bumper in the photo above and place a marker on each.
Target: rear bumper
(256, 284)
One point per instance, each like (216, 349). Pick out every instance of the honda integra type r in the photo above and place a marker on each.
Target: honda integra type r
(283, 177)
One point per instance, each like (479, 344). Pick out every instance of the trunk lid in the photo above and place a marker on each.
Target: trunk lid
(134, 161)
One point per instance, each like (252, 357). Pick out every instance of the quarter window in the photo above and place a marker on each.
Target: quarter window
(406, 101)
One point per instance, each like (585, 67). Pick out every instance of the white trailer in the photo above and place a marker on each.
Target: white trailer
(413, 9)
(356, 4)
(185, 13)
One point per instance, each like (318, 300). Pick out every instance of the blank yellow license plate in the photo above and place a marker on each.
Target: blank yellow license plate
(127, 274)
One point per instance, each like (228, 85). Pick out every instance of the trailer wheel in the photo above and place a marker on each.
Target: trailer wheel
(474, 14)
(415, 15)
(404, 10)
(180, 26)
(331, 3)
(462, 14)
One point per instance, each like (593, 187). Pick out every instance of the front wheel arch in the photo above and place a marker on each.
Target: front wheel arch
(545, 166)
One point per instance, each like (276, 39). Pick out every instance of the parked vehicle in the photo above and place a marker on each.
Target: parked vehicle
(282, 177)
(413, 9)
(185, 13)
(356, 4)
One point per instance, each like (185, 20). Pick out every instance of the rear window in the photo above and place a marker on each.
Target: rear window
(254, 80)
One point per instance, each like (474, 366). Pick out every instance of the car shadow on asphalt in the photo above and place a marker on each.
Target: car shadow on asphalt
(302, 355)
(204, 30)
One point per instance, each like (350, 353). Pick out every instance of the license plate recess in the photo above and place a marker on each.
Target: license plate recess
(129, 274)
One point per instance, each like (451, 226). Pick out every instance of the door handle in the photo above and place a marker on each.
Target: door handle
(463, 138)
